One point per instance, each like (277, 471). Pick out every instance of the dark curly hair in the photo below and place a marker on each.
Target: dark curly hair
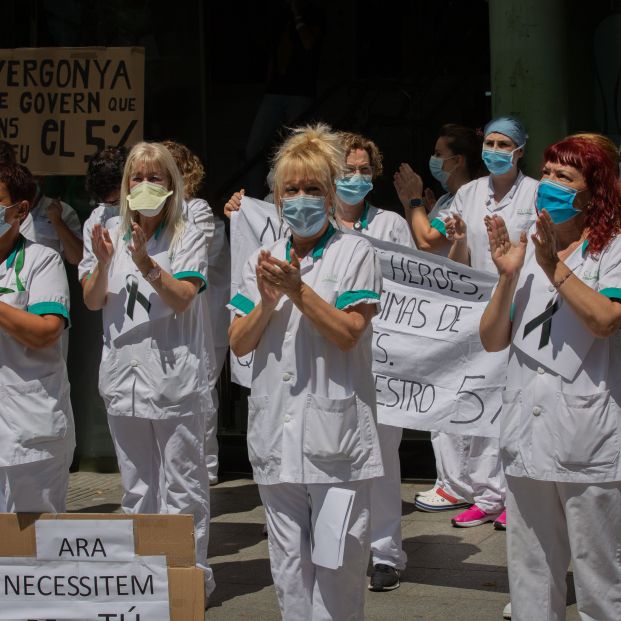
(105, 172)
(7, 154)
(603, 217)
(19, 182)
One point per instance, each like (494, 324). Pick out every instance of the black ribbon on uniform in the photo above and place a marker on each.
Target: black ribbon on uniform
(545, 321)
(132, 290)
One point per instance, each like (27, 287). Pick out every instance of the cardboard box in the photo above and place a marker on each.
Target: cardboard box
(154, 535)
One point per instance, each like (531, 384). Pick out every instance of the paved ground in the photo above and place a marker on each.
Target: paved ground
(452, 574)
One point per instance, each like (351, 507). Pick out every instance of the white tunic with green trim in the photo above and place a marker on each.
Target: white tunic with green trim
(312, 415)
(36, 421)
(475, 200)
(155, 363)
(561, 410)
(386, 225)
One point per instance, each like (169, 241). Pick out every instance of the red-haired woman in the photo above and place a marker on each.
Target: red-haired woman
(556, 306)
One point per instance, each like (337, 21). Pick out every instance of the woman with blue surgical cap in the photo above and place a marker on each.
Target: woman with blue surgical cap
(305, 307)
(556, 307)
(508, 193)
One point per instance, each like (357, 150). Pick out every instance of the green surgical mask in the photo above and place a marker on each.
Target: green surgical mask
(148, 198)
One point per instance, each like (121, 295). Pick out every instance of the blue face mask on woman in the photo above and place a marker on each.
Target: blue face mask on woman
(306, 215)
(4, 225)
(498, 162)
(557, 200)
(352, 190)
(435, 168)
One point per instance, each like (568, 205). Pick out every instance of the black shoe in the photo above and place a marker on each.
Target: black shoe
(384, 578)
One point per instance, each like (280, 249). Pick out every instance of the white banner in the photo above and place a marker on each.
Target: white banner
(431, 372)
(59, 590)
(86, 540)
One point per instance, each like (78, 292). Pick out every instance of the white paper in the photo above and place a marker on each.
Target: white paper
(330, 528)
(431, 371)
(85, 540)
(76, 590)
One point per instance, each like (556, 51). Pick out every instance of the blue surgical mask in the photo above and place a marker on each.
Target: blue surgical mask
(4, 225)
(306, 215)
(435, 167)
(352, 190)
(557, 200)
(498, 162)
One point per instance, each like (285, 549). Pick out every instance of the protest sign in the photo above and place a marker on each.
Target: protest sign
(59, 106)
(430, 369)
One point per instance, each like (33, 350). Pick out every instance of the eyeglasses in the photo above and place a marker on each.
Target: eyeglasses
(364, 169)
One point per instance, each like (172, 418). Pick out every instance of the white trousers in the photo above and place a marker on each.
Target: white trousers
(163, 470)
(36, 487)
(386, 542)
(307, 592)
(211, 428)
(470, 468)
(551, 524)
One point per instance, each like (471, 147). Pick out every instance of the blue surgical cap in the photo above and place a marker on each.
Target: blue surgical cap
(508, 126)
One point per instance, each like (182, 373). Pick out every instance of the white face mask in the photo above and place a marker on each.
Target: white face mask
(4, 225)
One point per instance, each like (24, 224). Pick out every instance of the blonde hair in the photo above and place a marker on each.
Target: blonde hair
(190, 166)
(154, 156)
(352, 141)
(313, 151)
(603, 142)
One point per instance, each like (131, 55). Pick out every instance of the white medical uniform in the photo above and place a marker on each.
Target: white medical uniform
(311, 426)
(472, 468)
(560, 446)
(37, 434)
(37, 226)
(154, 380)
(386, 540)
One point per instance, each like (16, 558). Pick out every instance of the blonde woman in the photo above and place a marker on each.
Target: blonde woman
(154, 369)
(305, 308)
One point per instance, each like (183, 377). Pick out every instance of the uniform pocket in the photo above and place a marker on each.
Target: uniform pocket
(34, 411)
(332, 429)
(174, 376)
(510, 421)
(264, 432)
(588, 430)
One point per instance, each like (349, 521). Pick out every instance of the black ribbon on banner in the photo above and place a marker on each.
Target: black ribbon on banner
(135, 295)
(545, 321)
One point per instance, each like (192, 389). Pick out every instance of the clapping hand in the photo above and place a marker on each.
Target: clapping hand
(508, 256)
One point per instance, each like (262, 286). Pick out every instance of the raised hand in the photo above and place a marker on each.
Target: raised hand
(138, 248)
(270, 293)
(54, 211)
(284, 276)
(546, 247)
(408, 184)
(508, 256)
(456, 229)
(103, 248)
(234, 203)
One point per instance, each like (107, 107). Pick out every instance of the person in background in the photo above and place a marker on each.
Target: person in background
(154, 375)
(559, 291)
(508, 193)
(200, 214)
(305, 308)
(7, 153)
(456, 161)
(103, 184)
(37, 439)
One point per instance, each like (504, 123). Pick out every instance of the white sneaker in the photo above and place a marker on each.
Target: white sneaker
(506, 611)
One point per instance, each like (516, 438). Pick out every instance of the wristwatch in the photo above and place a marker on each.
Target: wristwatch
(153, 274)
(416, 202)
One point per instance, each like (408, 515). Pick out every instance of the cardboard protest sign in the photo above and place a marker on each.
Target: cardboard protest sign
(431, 372)
(59, 106)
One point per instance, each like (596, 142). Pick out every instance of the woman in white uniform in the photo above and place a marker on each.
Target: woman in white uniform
(154, 375)
(557, 307)
(305, 308)
(37, 434)
(508, 193)
(455, 162)
(363, 164)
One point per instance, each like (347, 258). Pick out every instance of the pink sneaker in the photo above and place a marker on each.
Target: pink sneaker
(500, 523)
(473, 517)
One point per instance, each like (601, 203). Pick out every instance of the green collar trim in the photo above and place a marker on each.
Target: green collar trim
(364, 218)
(19, 245)
(16, 258)
(156, 235)
(319, 246)
(585, 245)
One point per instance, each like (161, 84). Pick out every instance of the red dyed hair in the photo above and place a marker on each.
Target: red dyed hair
(603, 217)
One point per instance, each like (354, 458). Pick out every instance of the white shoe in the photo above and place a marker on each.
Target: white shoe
(506, 611)
(439, 501)
(427, 492)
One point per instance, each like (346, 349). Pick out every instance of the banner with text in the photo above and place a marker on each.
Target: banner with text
(58, 106)
(431, 372)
